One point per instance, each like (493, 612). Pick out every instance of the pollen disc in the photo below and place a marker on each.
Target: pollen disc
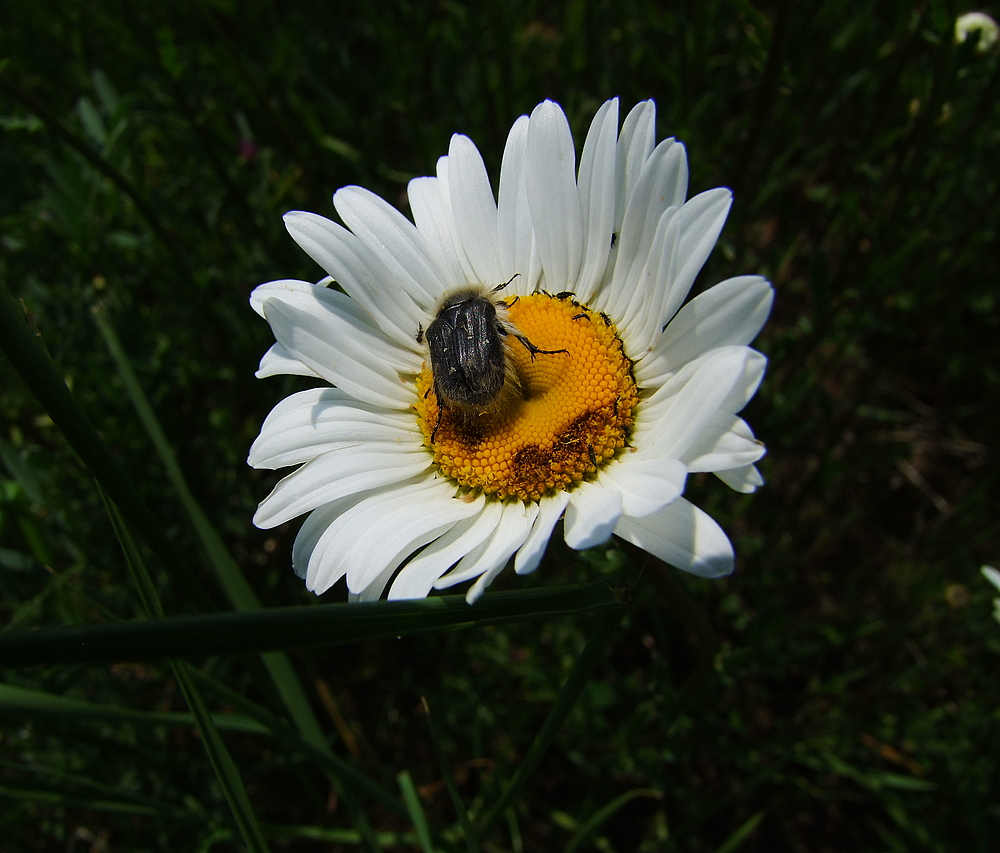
(574, 412)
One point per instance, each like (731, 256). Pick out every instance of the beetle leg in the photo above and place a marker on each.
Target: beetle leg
(434, 431)
(530, 347)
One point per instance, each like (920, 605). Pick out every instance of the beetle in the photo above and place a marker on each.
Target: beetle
(467, 340)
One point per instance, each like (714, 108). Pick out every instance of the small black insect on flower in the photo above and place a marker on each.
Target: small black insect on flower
(468, 342)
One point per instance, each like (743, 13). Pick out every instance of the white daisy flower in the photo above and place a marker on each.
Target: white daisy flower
(466, 418)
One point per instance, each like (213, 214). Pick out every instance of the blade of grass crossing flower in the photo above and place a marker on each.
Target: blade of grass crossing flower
(416, 811)
(294, 627)
(602, 814)
(227, 572)
(222, 763)
(471, 839)
(568, 694)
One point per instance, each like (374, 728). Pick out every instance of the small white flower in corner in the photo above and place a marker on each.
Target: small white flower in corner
(972, 23)
(993, 576)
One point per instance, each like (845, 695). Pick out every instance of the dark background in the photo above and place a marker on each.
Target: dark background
(147, 154)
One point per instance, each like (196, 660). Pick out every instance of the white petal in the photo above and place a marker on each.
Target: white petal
(745, 479)
(328, 303)
(418, 576)
(378, 532)
(444, 185)
(645, 484)
(396, 241)
(640, 325)
(336, 474)
(343, 351)
(682, 535)
(597, 197)
(373, 592)
(518, 249)
(591, 515)
(492, 555)
(293, 291)
(725, 442)
(475, 210)
(390, 532)
(530, 553)
(700, 221)
(360, 273)
(553, 198)
(675, 416)
(277, 362)
(310, 423)
(500, 563)
(654, 192)
(310, 532)
(431, 217)
(635, 143)
(729, 314)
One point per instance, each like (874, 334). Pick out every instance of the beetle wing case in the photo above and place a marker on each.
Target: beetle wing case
(468, 342)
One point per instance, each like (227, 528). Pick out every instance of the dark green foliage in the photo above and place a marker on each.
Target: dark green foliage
(147, 154)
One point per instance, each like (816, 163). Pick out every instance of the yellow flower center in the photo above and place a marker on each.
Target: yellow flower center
(573, 413)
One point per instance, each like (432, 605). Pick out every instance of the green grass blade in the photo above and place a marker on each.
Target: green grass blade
(223, 764)
(230, 578)
(73, 787)
(342, 772)
(218, 756)
(46, 796)
(471, 839)
(24, 348)
(295, 627)
(227, 572)
(416, 811)
(22, 701)
(568, 694)
(742, 834)
(605, 812)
